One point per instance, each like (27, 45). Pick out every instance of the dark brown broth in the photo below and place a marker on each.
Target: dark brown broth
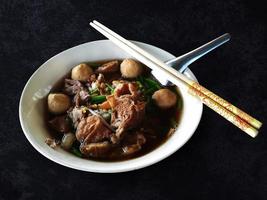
(159, 121)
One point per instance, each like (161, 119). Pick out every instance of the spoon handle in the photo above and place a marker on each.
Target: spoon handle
(181, 63)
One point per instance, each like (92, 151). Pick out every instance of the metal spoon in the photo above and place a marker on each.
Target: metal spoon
(182, 62)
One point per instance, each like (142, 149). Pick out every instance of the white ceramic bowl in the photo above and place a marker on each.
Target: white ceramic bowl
(31, 108)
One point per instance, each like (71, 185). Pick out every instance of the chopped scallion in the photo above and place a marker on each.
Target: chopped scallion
(110, 88)
(76, 152)
(98, 99)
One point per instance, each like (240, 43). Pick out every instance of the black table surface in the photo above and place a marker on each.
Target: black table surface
(218, 162)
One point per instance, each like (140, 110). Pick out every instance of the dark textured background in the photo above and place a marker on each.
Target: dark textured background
(219, 161)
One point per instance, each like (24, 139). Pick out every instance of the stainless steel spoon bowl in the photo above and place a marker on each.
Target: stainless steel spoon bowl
(182, 62)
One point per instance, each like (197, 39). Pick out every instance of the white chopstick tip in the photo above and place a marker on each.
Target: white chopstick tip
(94, 22)
(94, 26)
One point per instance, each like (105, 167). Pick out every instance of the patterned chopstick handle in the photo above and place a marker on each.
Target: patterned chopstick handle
(249, 119)
(233, 118)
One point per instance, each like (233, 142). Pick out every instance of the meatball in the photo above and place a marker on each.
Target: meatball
(81, 72)
(58, 103)
(131, 68)
(164, 98)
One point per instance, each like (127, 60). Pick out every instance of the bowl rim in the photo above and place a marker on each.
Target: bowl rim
(67, 164)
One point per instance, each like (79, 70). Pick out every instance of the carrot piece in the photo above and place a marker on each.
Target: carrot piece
(105, 105)
(112, 101)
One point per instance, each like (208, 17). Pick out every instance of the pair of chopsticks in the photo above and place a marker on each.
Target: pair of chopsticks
(233, 114)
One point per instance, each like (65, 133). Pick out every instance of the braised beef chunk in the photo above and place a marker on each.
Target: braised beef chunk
(76, 88)
(72, 87)
(126, 114)
(133, 142)
(96, 150)
(81, 98)
(53, 143)
(60, 124)
(108, 67)
(92, 130)
(130, 89)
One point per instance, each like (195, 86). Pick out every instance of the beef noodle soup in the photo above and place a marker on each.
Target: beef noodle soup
(110, 111)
